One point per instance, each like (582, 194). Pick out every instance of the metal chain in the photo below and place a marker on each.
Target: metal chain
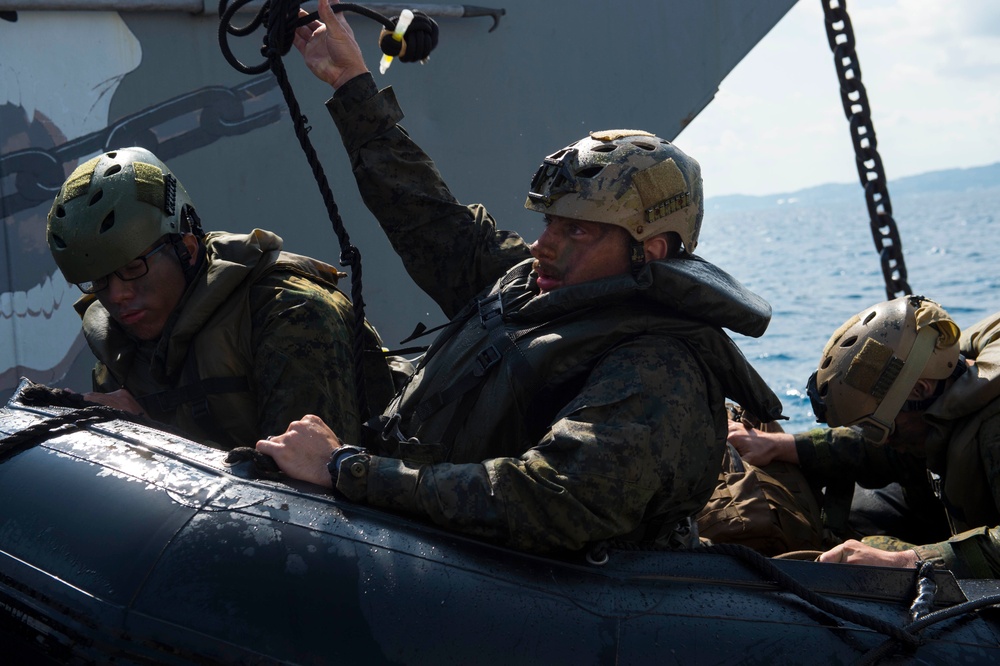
(171, 128)
(855, 100)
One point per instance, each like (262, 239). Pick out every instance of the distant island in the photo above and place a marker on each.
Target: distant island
(947, 180)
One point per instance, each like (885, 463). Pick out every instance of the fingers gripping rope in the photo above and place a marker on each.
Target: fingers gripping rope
(280, 19)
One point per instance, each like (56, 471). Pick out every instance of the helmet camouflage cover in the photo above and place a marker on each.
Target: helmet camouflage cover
(872, 362)
(628, 178)
(110, 209)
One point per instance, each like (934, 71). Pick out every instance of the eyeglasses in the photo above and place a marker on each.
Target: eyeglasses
(133, 270)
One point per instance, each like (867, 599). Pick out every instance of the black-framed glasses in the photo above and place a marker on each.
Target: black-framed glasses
(133, 270)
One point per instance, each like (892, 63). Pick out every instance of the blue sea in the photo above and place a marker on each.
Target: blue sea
(817, 266)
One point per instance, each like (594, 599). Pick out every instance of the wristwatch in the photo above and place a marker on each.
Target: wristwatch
(357, 468)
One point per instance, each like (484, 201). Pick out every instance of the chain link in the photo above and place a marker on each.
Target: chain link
(854, 97)
(174, 127)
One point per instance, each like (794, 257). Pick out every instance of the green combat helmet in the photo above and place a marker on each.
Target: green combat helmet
(628, 178)
(872, 362)
(110, 209)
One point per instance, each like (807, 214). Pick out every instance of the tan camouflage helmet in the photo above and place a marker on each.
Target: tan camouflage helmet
(628, 178)
(872, 362)
(110, 209)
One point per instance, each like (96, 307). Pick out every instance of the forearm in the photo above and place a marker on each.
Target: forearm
(842, 453)
(519, 503)
(971, 554)
(404, 190)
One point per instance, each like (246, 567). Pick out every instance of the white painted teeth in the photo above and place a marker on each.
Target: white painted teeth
(42, 299)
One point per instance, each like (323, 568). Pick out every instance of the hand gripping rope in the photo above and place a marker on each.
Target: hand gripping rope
(280, 19)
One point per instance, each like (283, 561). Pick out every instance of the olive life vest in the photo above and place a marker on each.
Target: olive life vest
(201, 371)
(954, 449)
(495, 378)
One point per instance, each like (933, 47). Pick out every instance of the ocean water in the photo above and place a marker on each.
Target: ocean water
(817, 266)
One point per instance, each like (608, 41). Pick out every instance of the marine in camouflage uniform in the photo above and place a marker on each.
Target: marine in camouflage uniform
(545, 421)
(892, 494)
(259, 337)
(961, 448)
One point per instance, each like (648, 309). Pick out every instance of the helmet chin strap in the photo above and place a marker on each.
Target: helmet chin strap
(193, 223)
(184, 257)
(637, 256)
(879, 425)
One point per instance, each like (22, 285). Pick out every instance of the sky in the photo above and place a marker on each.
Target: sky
(931, 69)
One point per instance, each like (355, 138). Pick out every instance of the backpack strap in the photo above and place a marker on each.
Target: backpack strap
(196, 393)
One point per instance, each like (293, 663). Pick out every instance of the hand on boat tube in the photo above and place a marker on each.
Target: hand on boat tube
(329, 48)
(855, 552)
(120, 399)
(303, 450)
(760, 448)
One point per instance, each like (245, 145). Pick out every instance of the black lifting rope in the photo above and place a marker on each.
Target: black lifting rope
(280, 19)
(855, 100)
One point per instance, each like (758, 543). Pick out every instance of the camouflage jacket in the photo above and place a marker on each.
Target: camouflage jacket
(962, 452)
(261, 337)
(963, 449)
(543, 421)
(840, 457)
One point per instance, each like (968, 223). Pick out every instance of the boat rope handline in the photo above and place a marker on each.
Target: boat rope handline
(890, 645)
(769, 571)
(280, 18)
(83, 413)
(52, 426)
(923, 602)
(904, 637)
(767, 568)
(854, 97)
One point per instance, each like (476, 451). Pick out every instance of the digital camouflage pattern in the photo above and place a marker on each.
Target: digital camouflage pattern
(254, 312)
(837, 458)
(304, 361)
(593, 424)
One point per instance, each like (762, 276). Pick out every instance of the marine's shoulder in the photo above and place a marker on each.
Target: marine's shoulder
(652, 358)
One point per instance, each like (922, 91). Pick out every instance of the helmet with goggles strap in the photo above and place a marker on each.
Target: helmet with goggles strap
(872, 362)
(628, 178)
(110, 209)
